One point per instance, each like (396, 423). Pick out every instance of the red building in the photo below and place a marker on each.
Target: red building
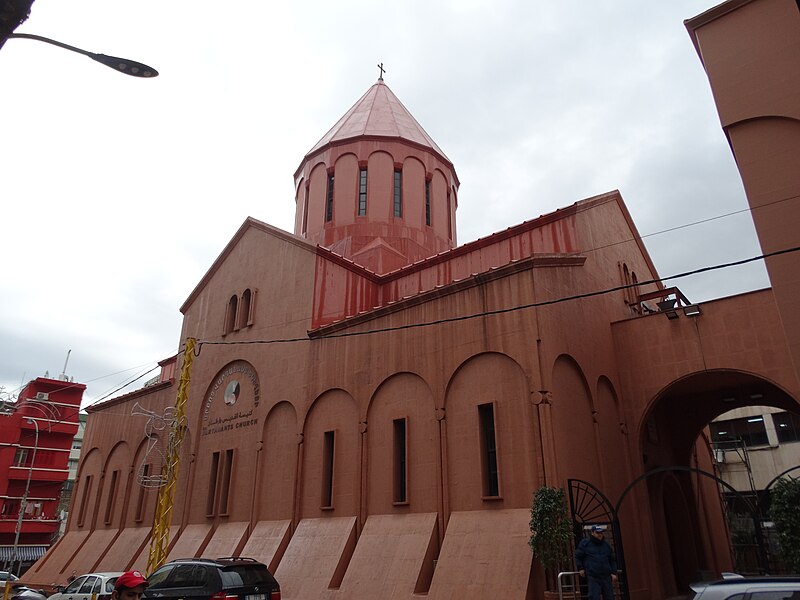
(35, 440)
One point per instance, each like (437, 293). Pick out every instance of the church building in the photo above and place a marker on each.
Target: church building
(372, 406)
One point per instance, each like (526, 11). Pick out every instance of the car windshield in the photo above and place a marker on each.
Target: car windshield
(243, 575)
(72, 588)
(110, 584)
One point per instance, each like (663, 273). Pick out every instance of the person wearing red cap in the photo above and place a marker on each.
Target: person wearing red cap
(129, 586)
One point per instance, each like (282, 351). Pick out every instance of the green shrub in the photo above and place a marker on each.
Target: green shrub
(784, 503)
(551, 531)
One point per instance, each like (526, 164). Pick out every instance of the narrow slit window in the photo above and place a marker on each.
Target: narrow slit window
(329, 200)
(230, 314)
(362, 191)
(398, 193)
(491, 484)
(244, 309)
(227, 471)
(87, 489)
(112, 496)
(400, 462)
(327, 469)
(427, 202)
(212, 485)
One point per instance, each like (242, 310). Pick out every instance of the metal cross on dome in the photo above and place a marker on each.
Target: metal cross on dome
(380, 77)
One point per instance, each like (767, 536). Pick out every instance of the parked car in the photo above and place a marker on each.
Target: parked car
(736, 587)
(23, 592)
(231, 578)
(84, 586)
(7, 575)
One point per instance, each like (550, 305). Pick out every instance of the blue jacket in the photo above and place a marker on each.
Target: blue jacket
(595, 557)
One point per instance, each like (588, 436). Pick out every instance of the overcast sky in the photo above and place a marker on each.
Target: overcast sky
(118, 193)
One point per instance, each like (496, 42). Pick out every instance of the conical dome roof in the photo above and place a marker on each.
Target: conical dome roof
(378, 113)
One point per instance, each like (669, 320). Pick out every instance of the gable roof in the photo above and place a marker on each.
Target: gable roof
(249, 223)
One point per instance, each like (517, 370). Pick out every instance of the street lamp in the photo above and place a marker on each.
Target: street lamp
(24, 501)
(123, 65)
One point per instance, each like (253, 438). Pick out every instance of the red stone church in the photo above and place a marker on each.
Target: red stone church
(372, 405)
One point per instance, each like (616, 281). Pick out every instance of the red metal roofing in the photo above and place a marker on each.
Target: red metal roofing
(378, 113)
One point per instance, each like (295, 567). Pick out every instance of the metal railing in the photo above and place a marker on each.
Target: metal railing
(570, 587)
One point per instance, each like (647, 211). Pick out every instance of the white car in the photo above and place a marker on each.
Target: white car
(736, 587)
(7, 576)
(84, 586)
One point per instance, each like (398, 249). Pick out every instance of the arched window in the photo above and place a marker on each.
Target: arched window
(398, 192)
(427, 201)
(362, 191)
(244, 309)
(230, 314)
(329, 199)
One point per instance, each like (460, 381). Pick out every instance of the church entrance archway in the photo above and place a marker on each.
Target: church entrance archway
(682, 488)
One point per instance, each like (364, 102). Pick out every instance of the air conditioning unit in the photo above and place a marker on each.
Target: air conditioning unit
(42, 396)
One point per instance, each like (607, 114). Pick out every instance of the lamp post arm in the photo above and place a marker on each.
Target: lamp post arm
(123, 65)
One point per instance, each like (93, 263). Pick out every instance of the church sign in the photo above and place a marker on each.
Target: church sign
(231, 400)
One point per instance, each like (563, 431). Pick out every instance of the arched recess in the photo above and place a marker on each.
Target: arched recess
(403, 457)
(345, 195)
(84, 498)
(573, 423)
(278, 464)
(147, 463)
(380, 166)
(441, 205)
(669, 435)
(486, 387)
(228, 432)
(414, 192)
(301, 200)
(115, 487)
(186, 473)
(331, 457)
(317, 192)
(612, 434)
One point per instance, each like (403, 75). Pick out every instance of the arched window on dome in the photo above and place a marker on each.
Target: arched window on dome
(362, 191)
(230, 314)
(427, 201)
(329, 199)
(398, 192)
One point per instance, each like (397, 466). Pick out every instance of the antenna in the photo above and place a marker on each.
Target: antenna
(63, 376)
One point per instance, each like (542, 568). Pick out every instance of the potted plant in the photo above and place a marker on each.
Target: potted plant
(551, 536)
